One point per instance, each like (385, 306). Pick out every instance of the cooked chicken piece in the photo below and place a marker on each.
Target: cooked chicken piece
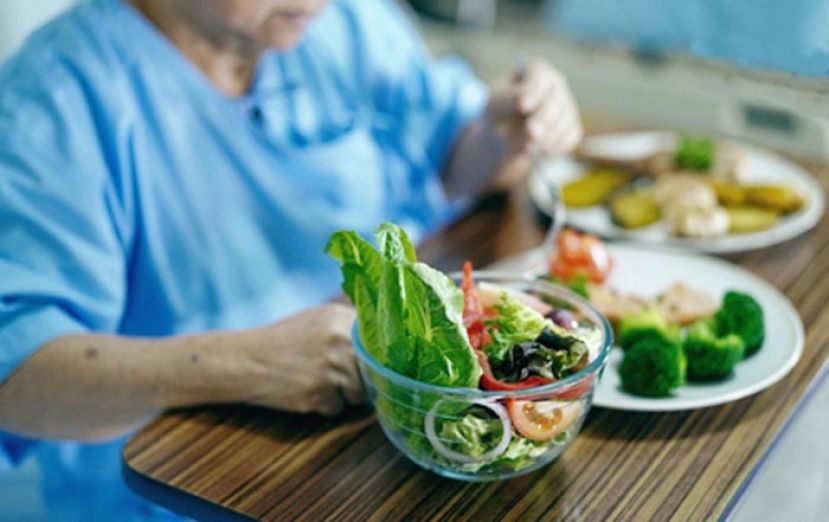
(614, 305)
(684, 190)
(690, 207)
(682, 304)
(696, 222)
(729, 165)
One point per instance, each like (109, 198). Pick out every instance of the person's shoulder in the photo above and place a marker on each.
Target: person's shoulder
(75, 47)
(63, 73)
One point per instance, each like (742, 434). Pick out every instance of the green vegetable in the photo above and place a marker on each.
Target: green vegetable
(648, 323)
(410, 315)
(522, 452)
(711, 357)
(634, 208)
(593, 188)
(514, 323)
(653, 366)
(578, 284)
(559, 353)
(740, 314)
(533, 359)
(474, 434)
(694, 153)
(410, 319)
(558, 364)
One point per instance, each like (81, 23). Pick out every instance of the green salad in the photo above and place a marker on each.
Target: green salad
(418, 323)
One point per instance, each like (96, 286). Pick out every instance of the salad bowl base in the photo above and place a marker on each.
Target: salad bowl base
(541, 461)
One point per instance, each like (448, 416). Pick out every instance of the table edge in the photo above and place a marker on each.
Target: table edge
(175, 499)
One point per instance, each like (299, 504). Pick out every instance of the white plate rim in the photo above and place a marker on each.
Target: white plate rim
(783, 308)
(801, 222)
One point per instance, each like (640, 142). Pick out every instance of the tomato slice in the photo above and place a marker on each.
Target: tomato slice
(570, 246)
(542, 420)
(580, 255)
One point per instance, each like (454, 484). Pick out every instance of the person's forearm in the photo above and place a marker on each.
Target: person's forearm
(476, 157)
(98, 386)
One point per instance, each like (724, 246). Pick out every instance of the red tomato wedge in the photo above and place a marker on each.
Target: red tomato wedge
(478, 336)
(542, 420)
(580, 255)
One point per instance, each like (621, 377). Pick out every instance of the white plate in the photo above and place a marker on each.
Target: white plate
(763, 167)
(647, 272)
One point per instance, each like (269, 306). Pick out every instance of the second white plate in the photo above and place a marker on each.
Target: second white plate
(648, 272)
(764, 167)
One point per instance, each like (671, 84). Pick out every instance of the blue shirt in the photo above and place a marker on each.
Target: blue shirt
(137, 199)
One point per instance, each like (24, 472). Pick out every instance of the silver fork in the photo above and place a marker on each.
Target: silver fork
(559, 212)
(559, 216)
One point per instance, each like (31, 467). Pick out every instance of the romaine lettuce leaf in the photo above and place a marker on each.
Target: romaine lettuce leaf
(395, 244)
(410, 315)
(362, 268)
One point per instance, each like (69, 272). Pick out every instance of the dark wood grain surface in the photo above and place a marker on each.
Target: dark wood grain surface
(625, 466)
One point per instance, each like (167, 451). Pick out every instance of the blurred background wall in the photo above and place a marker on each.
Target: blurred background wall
(19, 17)
(754, 70)
(750, 69)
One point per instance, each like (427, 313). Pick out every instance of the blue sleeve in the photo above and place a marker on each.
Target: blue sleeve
(14, 449)
(62, 225)
(429, 101)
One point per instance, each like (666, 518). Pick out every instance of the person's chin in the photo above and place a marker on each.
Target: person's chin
(285, 36)
(283, 43)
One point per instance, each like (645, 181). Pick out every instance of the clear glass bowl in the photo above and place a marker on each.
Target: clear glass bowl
(416, 416)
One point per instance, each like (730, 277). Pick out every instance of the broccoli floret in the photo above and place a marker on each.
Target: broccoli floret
(741, 315)
(711, 357)
(649, 323)
(653, 366)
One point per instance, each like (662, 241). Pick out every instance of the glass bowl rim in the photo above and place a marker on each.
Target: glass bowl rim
(474, 393)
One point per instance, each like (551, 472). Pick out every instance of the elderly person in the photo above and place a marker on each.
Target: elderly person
(169, 173)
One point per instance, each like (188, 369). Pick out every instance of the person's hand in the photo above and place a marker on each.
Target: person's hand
(533, 109)
(306, 363)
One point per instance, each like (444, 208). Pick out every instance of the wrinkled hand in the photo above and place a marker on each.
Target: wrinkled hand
(307, 362)
(533, 109)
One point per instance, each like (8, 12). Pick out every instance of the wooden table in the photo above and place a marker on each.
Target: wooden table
(634, 466)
